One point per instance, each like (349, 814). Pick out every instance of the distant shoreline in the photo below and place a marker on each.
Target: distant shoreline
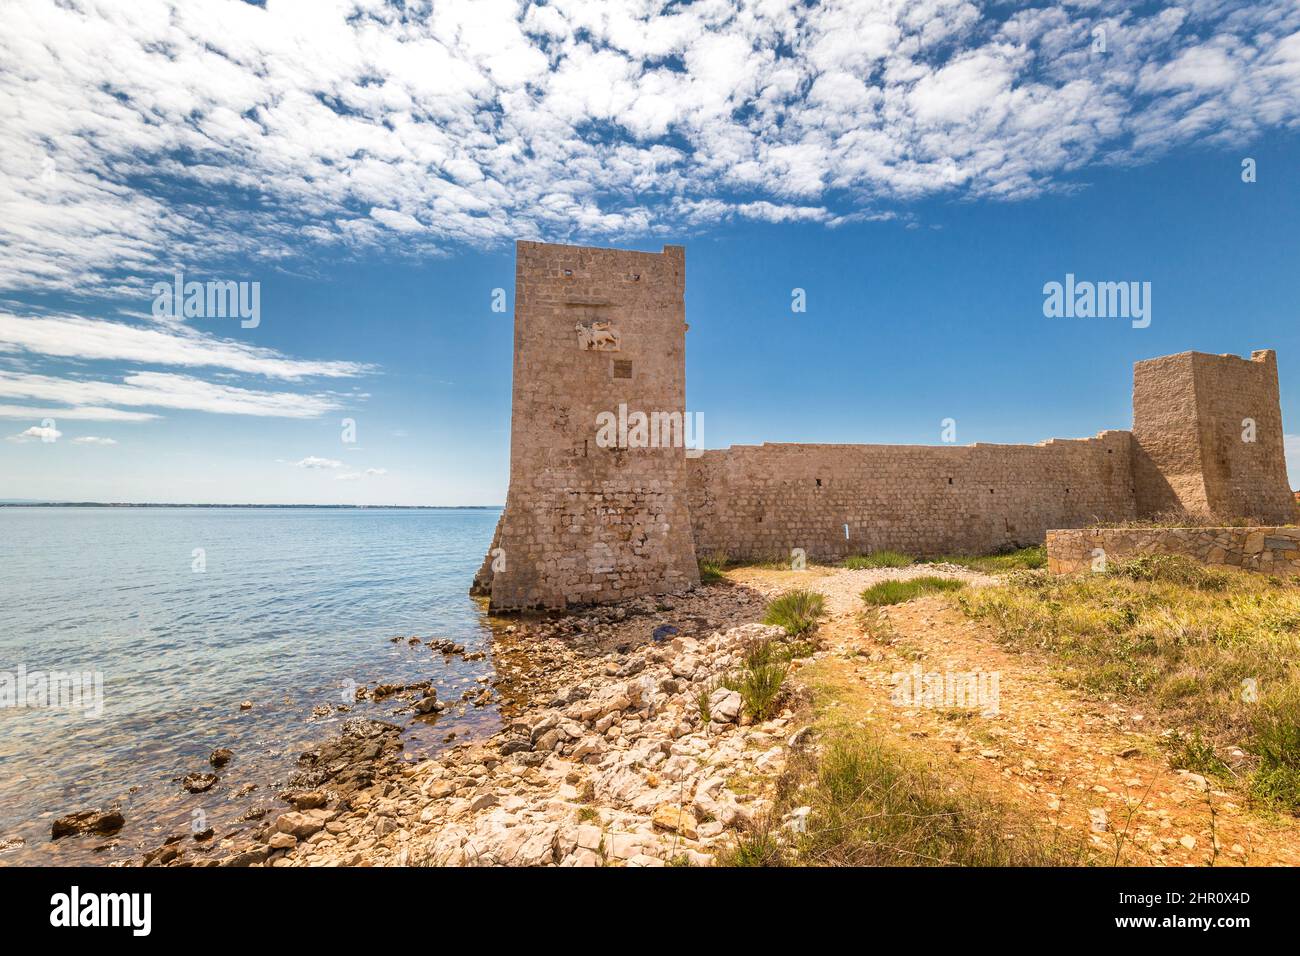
(151, 504)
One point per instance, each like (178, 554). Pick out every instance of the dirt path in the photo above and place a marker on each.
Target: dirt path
(1090, 767)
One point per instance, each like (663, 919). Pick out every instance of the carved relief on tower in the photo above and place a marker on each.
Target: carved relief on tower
(598, 337)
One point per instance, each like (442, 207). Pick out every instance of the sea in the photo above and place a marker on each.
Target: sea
(175, 617)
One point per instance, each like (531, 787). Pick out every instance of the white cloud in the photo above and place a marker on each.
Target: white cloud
(165, 390)
(80, 413)
(359, 124)
(93, 440)
(397, 221)
(42, 433)
(72, 336)
(311, 461)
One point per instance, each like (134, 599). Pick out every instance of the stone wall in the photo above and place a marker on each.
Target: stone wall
(759, 502)
(586, 524)
(1274, 550)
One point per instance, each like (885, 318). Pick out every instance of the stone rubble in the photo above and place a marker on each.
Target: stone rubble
(616, 769)
(611, 766)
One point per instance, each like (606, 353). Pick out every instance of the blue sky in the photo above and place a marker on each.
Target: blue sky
(920, 170)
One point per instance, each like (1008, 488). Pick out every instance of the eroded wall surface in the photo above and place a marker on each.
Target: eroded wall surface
(760, 502)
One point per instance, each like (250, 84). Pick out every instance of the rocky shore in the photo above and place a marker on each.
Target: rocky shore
(605, 757)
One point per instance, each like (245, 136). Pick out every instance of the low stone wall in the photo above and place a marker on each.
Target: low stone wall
(1275, 550)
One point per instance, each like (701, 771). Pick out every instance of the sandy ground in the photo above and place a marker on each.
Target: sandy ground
(1091, 767)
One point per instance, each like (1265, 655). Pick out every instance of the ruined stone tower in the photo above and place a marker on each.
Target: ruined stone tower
(1207, 437)
(597, 332)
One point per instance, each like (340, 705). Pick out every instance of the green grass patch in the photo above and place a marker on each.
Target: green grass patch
(873, 805)
(1017, 560)
(1193, 752)
(796, 612)
(896, 592)
(878, 559)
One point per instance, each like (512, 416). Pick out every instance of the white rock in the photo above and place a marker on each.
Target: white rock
(724, 705)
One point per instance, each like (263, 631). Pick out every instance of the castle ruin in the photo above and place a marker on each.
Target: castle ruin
(586, 521)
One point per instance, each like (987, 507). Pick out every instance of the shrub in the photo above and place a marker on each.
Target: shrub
(796, 612)
(1195, 753)
(896, 592)
(760, 690)
(711, 568)
(702, 696)
(1176, 518)
(759, 682)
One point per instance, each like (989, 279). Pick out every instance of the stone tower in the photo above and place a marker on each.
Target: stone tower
(1207, 437)
(591, 516)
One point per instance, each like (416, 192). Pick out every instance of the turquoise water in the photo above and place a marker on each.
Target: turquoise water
(288, 608)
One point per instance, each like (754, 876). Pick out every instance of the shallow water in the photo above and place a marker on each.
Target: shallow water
(288, 608)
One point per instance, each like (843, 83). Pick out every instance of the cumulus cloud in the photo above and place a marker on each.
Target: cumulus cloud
(135, 132)
(43, 433)
(93, 440)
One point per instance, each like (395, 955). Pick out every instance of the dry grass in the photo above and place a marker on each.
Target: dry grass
(1214, 651)
(1185, 519)
(873, 803)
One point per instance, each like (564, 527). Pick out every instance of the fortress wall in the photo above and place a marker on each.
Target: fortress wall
(590, 523)
(758, 502)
